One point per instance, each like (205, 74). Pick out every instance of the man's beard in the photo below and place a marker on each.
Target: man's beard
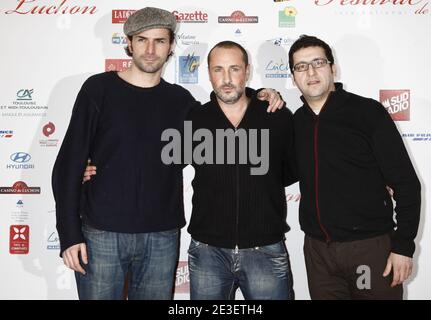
(229, 98)
(146, 67)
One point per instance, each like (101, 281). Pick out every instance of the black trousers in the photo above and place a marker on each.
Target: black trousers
(350, 270)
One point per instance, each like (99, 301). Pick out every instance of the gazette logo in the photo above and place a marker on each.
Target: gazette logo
(19, 241)
(182, 279)
(188, 68)
(287, 17)
(238, 17)
(121, 15)
(50, 7)
(191, 17)
(48, 130)
(24, 105)
(397, 103)
(117, 64)
(20, 187)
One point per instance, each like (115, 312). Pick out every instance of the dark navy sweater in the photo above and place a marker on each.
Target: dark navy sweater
(118, 126)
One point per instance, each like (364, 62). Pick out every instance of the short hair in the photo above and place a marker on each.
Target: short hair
(230, 45)
(171, 40)
(305, 41)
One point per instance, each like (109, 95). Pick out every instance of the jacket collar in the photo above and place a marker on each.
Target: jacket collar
(335, 100)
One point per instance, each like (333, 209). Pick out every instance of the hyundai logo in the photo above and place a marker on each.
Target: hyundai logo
(20, 157)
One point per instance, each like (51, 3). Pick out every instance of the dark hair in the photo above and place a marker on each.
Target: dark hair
(305, 41)
(171, 40)
(230, 45)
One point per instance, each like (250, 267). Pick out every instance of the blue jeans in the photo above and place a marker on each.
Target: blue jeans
(150, 259)
(261, 272)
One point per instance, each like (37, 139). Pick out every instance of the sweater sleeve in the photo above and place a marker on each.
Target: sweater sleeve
(69, 167)
(400, 176)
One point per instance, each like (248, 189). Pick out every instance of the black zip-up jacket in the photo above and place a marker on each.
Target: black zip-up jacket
(231, 207)
(346, 157)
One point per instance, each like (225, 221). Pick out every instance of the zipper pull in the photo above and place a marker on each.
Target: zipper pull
(236, 249)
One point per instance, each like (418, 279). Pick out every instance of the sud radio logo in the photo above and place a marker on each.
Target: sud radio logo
(182, 279)
(397, 102)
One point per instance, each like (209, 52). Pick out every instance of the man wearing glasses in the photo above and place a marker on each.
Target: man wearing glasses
(348, 151)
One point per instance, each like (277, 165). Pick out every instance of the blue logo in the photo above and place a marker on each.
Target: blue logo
(24, 94)
(188, 66)
(277, 69)
(20, 157)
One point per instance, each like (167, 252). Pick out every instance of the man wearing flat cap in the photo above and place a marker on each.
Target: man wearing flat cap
(126, 220)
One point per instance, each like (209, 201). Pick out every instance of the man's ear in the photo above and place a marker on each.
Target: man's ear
(247, 72)
(334, 70)
(129, 44)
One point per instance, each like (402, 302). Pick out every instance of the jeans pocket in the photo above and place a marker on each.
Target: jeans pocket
(194, 245)
(275, 250)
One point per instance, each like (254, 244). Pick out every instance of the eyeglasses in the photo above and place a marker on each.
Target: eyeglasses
(316, 63)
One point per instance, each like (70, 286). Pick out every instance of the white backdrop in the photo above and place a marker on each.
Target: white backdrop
(49, 47)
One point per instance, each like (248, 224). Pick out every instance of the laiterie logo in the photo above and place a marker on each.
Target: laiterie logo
(121, 15)
(188, 68)
(191, 17)
(20, 187)
(117, 64)
(287, 17)
(182, 279)
(397, 102)
(238, 17)
(277, 68)
(20, 161)
(48, 130)
(118, 38)
(52, 7)
(6, 134)
(394, 7)
(19, 239)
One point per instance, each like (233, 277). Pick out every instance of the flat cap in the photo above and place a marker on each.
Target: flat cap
(149, 18)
